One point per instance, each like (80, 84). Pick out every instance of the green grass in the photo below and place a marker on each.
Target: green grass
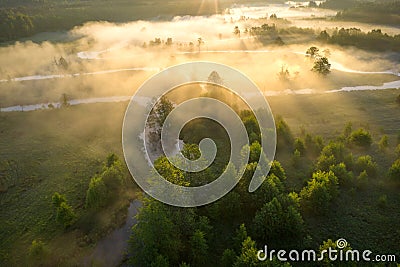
(60, 150)
(355, 215)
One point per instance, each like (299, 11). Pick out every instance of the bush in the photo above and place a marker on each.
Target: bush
(362, 179)
(382, 201)
(96, 195)
(284, 134)
(394, 171)
(299, 145)
(296, 159)
(279, 220)
(36, 249)
(319, 192)
(361, 138)
(277, 169)
(397, 150)
(345, 177)
(383, 143)
(57, 199)
(65, 215)
(366, 163)
(325, 162)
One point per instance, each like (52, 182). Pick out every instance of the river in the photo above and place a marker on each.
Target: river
(111, 250)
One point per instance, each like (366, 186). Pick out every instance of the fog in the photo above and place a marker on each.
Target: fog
(108, 59)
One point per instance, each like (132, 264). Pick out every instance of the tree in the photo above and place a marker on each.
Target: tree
(200, 42)
(319, 192)
(329, 244)
(284, 134)
(228, 258)
(277, 170)
(36, 249)
(323, 36)
(366, 163)
(248, 256)
(156, 120)
(322, 66)
(65, 215)
(299, 145)
(160, 261)
(296, 159)
(240, 236)
(394, 171)
(113, 176)
(57, 199)
(169, 42)
(278, 41)
(397, 150)
(97, 193)
(255, 152)
(62, 62)
(348, 129)
(312, 4)
(215, 78)
(279, 221)
(383, 143)
(161, 111)
(236, 31)
(344, 176)
(361, 138)
(283, 74)
(112, 158)
(64, 101)
(174, 175)
(154, 231)
(362, 179)
(273, 17)
(199, 248)
(312, 52)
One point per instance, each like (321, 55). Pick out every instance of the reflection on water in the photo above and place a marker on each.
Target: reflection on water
(111, 250)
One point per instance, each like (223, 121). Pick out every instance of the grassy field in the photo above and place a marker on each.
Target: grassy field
(59, 150)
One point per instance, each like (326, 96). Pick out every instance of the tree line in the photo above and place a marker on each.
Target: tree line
(230, 231)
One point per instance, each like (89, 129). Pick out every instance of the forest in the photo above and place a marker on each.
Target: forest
(230, 231)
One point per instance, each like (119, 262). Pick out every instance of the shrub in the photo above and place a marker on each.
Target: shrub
(57, 199)
(296, 159)
(397, 150)
(366, 163)
(299, 145)
(319, 192)
(344, 176)
(325, 162)
(65, 215)
(394, 171)
(362, 179)
(284, 134)
(361, 138)
(383, 143)
(36, 249)
(96, 195)
(382, 201)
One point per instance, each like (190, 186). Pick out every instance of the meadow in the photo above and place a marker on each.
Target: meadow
(68, 68)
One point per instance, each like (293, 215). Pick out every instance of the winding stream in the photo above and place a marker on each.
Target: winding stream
(87, 55)
(110, 250)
